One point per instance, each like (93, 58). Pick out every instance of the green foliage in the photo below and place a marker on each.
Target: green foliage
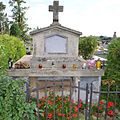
(15, 30)
(114, 86)
(2, 6)
(10, 47)
(87, 46)
(18, 16)
(113, 61)
(13, 105)
(4, 23)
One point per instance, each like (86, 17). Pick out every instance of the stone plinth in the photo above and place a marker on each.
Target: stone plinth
(53, 72)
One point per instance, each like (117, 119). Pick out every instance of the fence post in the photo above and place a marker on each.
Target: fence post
(90, 103)
(106, 109)
(78, 99)
(27, 90)
(99, 102)
(54, 100)
(115, 100)
(62, 99)
(86, 109)
(46, 111)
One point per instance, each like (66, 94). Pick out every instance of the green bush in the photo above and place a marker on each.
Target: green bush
(114, 86)
(112, 70)
(87, 46)
(10, 47)
(13, 105)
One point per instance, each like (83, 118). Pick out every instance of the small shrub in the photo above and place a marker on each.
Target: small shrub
(13, 105)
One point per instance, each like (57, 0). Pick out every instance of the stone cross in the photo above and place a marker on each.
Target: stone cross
(55, 9)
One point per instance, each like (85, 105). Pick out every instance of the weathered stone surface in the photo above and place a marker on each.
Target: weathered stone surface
(39, 37)
(53, 72)
(46, 62)
(55, 9)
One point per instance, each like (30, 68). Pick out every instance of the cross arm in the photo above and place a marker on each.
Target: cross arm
(60, 8)
(50, 8)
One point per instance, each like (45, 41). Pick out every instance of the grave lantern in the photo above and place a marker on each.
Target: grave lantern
(64, 66)
(40, 66)
(84, 65)
(98, 64)
(74, 67)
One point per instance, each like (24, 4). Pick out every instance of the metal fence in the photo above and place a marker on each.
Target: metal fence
(56, 101)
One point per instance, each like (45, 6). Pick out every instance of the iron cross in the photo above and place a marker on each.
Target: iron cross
(55, 9)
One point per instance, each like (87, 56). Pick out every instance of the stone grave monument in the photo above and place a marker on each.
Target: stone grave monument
(55, 57)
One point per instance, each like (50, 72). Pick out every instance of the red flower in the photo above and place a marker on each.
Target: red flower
(60, 114)
(110, 104)
(80, 105)
(80, 100)
(50, 102)
(50, 115)
(42, 103)
(72, 101)
(110, 113)
(75, 115)
(68, 117)
(101, 102)
(41, 99)
(39, 105)
(76, 109)
(59, 98)
(100, 107)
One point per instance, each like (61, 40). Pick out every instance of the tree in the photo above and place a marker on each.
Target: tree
(113, 61)
(15, 30)
(87, 46)
(10, 47)
(4, 23)
(19, 15)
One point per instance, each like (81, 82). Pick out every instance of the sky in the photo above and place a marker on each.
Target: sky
(91, 17)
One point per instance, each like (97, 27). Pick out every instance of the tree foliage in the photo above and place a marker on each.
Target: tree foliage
(87, 46)
(113, 60)
(15, 30)
(19, 14)
(10, 47)
(4, 23)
